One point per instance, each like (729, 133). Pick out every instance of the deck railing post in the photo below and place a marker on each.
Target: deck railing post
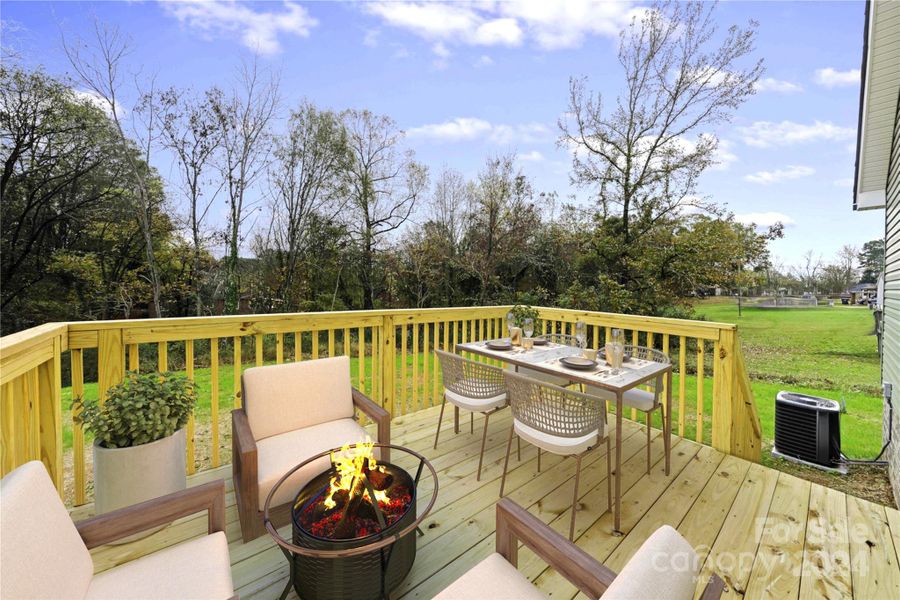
(49, 396)
(110, 360)
(388, 364)
(724, 392)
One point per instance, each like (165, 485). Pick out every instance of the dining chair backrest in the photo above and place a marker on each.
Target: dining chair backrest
(554, 410)
(560, 338)
(470, 378)
(648, 354)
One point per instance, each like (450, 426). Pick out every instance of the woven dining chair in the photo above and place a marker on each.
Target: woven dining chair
(644, 400)
(560, 421)
(473, 386)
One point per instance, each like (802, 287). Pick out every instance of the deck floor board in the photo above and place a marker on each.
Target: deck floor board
(774, 522)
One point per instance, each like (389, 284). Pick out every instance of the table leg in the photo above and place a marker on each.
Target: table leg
(618, 500)
(668, 421)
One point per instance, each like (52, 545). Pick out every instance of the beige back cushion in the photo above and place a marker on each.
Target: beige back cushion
(664, 567)
(41, 553)
(282, 398)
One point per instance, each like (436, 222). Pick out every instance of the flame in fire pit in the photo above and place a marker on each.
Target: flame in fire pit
(351, 464)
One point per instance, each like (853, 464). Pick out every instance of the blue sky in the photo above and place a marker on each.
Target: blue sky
(469, 80)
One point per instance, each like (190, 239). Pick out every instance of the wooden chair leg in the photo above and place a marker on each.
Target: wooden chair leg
(471, 422)
(455, 419)
(440, 419)
(487, 416)
(575, 497)
(539, 460)
(648, 443)
(512, 429)
(519, 448)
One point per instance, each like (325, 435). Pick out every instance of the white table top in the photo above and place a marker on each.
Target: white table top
(633, 373)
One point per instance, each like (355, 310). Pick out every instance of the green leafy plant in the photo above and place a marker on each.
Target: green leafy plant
(521, 312)
(139, 410)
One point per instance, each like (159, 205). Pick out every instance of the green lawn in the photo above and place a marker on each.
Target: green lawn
(824, 351)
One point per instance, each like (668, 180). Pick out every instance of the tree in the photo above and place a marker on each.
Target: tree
(384, 185)
(306, 177)
(98, 67)
(643, 153)
(871, 261)
(809, 270)
(243, 116)
(189, 130)
(500, 224)
(451, 200)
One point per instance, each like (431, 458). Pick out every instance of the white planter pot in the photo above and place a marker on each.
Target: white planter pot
(126, 476)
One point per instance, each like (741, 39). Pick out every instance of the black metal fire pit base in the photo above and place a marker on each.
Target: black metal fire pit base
(361, 568)
(367, 576)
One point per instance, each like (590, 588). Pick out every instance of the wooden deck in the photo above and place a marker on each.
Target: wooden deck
(768, 534)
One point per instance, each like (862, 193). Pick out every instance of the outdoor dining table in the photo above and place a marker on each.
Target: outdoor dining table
(634, 373)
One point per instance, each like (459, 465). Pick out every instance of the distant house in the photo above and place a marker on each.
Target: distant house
(860, 293)
(877, 186)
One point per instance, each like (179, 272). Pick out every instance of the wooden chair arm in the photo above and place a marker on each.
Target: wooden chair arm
(240, 431)
(515, 524)
(123, 522)
(714, 588)
(381, 417)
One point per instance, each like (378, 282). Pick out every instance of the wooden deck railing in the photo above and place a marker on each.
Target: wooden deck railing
(392, 361)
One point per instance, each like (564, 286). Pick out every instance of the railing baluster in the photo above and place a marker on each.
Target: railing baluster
(189, 367)
(681, 383)
(415, 368)
(236, 371)
(361, 360)
(258, 351)
(403, 381)
(214, 397)
(162, 357)
(134, 358)
(700, 358)
(330, 343)
(315, 344)
(279, 348)
(426, 397)
(634, 342)
(298, 346)
(76, 357)
(434, 384)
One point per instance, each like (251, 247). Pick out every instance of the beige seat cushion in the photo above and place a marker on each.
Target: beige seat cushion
(198, 569)
(664, 567)
(475, 404)
(639, 399)
(540, 375)
(492, 578)
(282, 398)
(278, 454)
(566, 446)
(41, 553)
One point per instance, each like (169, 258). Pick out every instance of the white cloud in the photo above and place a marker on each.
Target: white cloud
(770, 84)
(463, 129)
(484, 61)
(830, 77)
(723, 156)
(779, 175)
(533, 156)
(549, 25)
(100, 102)
(370, 39)
(765, 134)
(764, 219)
(441, 50)
(844, 182)
(257, 30)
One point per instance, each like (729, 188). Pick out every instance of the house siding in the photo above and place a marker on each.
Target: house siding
(890, 355)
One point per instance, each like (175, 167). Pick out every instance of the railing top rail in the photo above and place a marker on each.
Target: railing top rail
(683, 326)
(28, 338)
(260, 318)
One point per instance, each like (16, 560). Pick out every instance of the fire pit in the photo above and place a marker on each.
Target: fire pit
(353, 525)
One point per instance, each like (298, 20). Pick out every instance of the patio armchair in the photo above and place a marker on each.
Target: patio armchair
(664, 567)
(43, 554)
(291, 412)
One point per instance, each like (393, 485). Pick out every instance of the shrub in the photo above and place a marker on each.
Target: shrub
(139, 410)
(521, 312)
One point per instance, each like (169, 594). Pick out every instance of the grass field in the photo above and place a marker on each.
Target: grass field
(824, 351)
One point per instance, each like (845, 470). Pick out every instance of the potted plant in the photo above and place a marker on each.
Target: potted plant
(521, 312)
(139, 438)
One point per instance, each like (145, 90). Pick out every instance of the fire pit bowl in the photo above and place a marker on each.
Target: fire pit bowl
(343, 544)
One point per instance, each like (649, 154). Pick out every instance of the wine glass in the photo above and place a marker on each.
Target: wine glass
(510, 322)
(528, 327)
(580, 333)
